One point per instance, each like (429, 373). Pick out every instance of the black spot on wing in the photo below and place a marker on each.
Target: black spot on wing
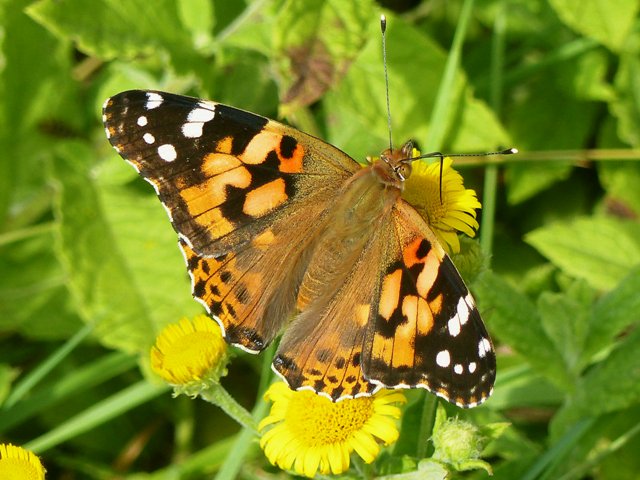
(288, 145)
(423, 249)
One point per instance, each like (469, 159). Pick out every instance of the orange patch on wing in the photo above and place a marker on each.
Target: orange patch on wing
(418, 312)
(382, 349)
(215, 222)
(362, 314)
(224, 145)
(264, 239)
(410, 253)
(436, 304)
(403, 355)
(294, 163)
(390, 294)
(264, 199)
(259, 147)
(428, 275)
(217, 163)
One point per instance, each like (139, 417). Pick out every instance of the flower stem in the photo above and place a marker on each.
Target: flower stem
(220, 397)
(426, 424)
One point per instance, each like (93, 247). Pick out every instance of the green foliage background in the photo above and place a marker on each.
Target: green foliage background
(90, 272)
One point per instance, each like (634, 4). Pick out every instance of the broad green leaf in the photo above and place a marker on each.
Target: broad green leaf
(600, 250)
(120, 254)
(622, 183)
(564, 318)
(197, 16)
(112, 28)
(613, 313)
(34, 86)
(611, 385)
(626, 105)
(513, 319)
(522, 386)
(608, 21)
(315, 43)
(33, 295)
(525, 181)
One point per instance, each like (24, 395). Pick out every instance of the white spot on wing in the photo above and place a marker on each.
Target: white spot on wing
(458, 368)
(142, 121)
(463, 310)
(192, 130)
(454, 326)
(472, 367)
(167, 152)
(443, 359)
(154, 100)
(201, 115)
(484, 346)
(470, 301)
(148, 138)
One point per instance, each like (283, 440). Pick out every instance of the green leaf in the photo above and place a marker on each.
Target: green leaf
(111, 28)
(122, 263)
(514, 320)
(564, 319)
(611, 385)
(600, 250)
(613, 313)
(622, 183)
(315, 42)
(606, 21)
(525, 181)
(626, 105)
(35, 81)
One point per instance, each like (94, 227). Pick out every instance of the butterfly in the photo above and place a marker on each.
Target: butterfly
(284, 232)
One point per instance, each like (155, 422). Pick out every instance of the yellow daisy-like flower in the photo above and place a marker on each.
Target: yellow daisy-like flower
(16, 463)
(310, 433)
(190, 353)
(457, 209)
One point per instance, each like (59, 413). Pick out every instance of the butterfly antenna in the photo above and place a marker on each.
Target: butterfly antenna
(383, 29)
(508, 151)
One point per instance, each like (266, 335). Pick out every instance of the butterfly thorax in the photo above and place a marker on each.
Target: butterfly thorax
(365, 203)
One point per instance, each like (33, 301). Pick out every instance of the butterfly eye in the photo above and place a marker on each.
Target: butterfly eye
(403, 170)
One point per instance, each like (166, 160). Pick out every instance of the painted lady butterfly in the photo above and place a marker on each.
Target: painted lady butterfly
(273, 221)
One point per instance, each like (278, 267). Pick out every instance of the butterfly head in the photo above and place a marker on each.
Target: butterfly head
(394, 166)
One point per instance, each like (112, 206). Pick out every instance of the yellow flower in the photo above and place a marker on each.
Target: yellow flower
(16, 463)
(457, 209)
(310, 433)
(190, 354)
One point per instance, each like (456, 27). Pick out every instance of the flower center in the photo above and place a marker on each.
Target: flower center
(197, 350)
(318, 421)
(18, 469)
